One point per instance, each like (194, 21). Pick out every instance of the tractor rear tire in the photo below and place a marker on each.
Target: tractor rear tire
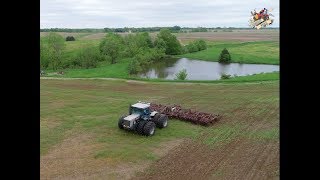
(140, 127)
(162, 121)
(156, 118)
(149, 128)
(120, 122)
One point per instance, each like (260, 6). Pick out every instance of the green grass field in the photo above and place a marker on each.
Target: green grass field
(70, 108)
(80, 139)
(106, 70)
(259, 52)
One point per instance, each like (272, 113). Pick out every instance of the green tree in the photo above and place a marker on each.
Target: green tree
(56, 45)
(201, 44)
(160, 44)
(70, 38)
(181, 75)
(88, 57)
(224, 56)
(145, 40)
(225, 76)
(134, 66)
(173, 46)
(157, 54)
(149, 55)
(111, 46)
(184, 49)
(134, 43)
(131, 47)
(192, 47)
(176, 28)
(44, 55)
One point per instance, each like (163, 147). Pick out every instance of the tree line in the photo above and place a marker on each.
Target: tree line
(141, 29)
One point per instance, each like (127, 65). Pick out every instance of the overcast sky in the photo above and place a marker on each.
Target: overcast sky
(150, 13)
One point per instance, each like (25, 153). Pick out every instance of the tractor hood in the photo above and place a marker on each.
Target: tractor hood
(132, 117)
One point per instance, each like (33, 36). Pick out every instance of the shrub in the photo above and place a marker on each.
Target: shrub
(181, 75)
(195, 46)
(224, 56)
(201, 44)
(225, 76)
(145, 56)
(87, 58)
(134, 66)
(192, 47)
(184, 50)
(55, 46)
(44, 55)
(70, 38)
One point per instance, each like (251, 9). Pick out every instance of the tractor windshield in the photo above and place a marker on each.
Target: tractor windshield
(135, 110)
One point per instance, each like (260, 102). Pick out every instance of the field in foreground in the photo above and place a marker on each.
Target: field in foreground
(79, 136)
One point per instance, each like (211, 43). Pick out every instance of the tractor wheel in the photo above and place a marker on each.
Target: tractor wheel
(162, 121)
(120, 122)
(149, 128)
(156, 118)
(140, 127)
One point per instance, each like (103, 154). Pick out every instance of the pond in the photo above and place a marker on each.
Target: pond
(202, 70)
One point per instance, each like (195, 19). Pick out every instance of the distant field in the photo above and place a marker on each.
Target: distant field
(79, 137)
(236, 35)
(65, 34)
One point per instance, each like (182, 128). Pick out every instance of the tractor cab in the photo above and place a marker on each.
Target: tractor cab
(141, 108)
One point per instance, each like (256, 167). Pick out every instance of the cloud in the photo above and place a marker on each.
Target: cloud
(146, 13)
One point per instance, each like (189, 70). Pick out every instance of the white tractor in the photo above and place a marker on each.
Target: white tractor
(142, 120)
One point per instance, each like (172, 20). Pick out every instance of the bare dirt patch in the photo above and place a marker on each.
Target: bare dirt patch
(239, 159)
(74, 159)
(166, 147)
(50, 123)
(57, 104)
(76, 85)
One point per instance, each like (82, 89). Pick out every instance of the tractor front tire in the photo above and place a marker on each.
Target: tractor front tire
(162, 121)
(140, 127)
(149, 128)
(120, 122)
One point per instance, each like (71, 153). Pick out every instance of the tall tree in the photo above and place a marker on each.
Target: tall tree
(224, 56)
(44, 55)
(56, 44)
(172, 45)
(111, 46)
